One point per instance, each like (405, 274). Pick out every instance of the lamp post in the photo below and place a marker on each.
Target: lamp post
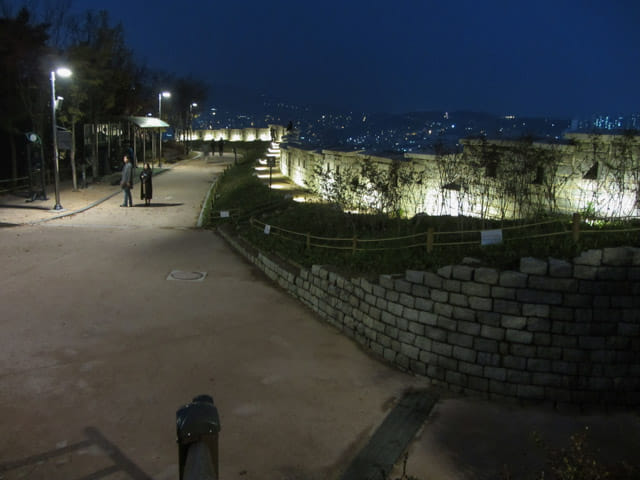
(190, 130)
(160, 95)
(64, 73)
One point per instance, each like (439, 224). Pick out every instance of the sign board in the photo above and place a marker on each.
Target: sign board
(271, 162)
(224, 213)
(490, 237)
(267, 229)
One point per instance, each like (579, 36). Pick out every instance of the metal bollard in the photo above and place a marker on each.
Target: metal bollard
(197, 428)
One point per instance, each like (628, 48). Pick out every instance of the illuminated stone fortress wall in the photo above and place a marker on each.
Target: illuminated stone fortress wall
(600, 174)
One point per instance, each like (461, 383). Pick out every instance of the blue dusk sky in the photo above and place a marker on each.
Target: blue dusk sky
(543, 57)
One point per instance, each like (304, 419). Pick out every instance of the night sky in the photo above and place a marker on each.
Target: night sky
(543, 57)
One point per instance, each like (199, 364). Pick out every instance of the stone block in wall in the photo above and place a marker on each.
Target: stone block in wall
(578, 300)
(634, 273)
(420, 291)
(619, 255)
(561, 314)
(518, 376)
(506, 307)
(469, 327)
(488, 276)
(611, 273)
(410, 351)
(564, 368)
(424, 304)
(387, 281)
(585, 272)
(518, 336)
(369, 298)
(458, 299)
(407, 300)
(446, 362)
(538, 365)
(402, 323)
(402, 286)
(443, 310)
(535, 310)
(513, 279)
(575, 355)
(480, 303)
(456, 378)
(446, 323)
(504, 293)
(320, 271)
(592, 342)
(539, 296)
(478, 384)
(492, 333)
(428, 318)
(435, 333)
(589, 257)
(389, 354)
(422, 343)
(470, 368)
(454, 286)
(542, 339)
(488, 318)
(446, 271)
(440, 348)
(414, 276)
(560, 268)
(549, 353)
(464, 354)
(521, 349)
(485, 345)
(622, 301)
(410, 314)
(533, 266)
(381, 303)
(432, 280)
(391, 332)
(513, 321)
(388, 318)
(465, 314)
(418, 367)
(603, 329)
(376, 348)
(384, 340)
(488, 359)
(379, 291)
(406, 337)
(555, 284)
(460, 339)
(395, 308)
(392, 296)
(428, 358)
(440, 296)
(462, 272)
(629, 329)
(476, 289)
(495, 373)
(435, 372)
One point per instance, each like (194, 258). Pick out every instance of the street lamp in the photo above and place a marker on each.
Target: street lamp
(64, 73)
(194, 104)
(160, 95)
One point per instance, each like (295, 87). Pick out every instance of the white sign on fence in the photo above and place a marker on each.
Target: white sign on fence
(490, 237)
(267, 229)
(224, 213)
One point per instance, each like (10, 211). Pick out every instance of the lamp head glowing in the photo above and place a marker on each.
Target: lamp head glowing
(194, 104)
(166, 94)
(63, 72)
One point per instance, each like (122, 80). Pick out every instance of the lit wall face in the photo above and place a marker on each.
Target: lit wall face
(562, 187)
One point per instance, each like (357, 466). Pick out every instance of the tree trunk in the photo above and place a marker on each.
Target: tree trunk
(74, 175)
(95, 161)
(14, 160)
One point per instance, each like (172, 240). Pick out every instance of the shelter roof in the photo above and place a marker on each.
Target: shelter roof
(148, 122)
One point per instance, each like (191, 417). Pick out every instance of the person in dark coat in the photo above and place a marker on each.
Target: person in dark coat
(221, 146)
(126, 182)
(146, 185)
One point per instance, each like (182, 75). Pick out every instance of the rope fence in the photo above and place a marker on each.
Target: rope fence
(431, 239)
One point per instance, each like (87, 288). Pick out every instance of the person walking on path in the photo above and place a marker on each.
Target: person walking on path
(221, 146)
(126, 182)
(146, 185)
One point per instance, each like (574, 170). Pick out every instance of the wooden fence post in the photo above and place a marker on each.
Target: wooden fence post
(575, 228)
(354, 245)
(308, 240)
(430, 240)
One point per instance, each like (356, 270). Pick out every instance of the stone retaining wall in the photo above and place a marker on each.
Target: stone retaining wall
(565, 332)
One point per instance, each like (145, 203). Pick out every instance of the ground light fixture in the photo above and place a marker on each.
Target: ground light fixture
(62, 72)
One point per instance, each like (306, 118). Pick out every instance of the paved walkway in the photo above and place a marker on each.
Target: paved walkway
(100, 345)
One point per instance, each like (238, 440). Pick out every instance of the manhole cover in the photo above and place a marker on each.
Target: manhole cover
(184, 276)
